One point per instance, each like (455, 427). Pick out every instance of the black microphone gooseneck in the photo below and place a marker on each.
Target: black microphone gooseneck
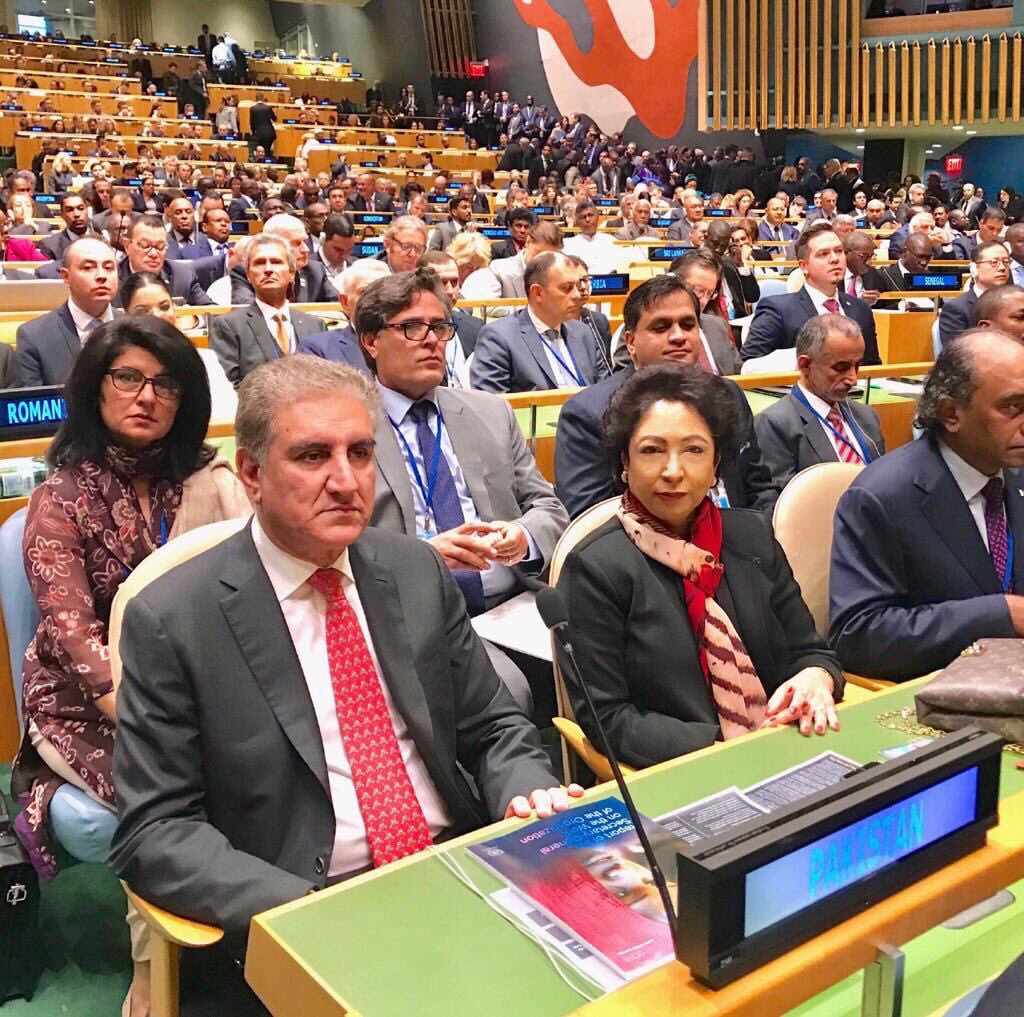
(586, 316)
(551, 606)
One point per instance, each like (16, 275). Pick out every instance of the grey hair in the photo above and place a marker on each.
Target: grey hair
(810, 340)
(364, 270)
(259, 240)
(286, 381)
(405, 222)
(844, 220)
(951, 377)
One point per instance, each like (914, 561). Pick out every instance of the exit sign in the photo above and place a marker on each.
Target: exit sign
(954, 164)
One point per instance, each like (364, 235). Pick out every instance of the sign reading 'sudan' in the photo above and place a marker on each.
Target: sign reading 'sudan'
(637, 65)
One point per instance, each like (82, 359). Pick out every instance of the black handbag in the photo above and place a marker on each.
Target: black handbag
(19, 914)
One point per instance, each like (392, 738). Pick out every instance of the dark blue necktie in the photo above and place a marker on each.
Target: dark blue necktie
(446, 507)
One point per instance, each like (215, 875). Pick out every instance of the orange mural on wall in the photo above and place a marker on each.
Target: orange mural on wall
(638, 64)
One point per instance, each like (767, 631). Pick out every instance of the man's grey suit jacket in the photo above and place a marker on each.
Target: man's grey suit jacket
(510, 356)
(224, 807)
(500, 472)
(510, 273)
(792, 438)
(242, 340)
(46, 348)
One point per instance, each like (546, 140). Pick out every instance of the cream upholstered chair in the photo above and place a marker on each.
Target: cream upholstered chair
(169, 932)
(572, 734)
(803, 526)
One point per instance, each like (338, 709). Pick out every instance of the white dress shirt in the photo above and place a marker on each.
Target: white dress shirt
(269, 316)
(819, 299)
(822, 408)
(970, 481)
(599, 251)
(305, 614)
(498, 578)
(561, 374)
(456, 363)
(83, 321)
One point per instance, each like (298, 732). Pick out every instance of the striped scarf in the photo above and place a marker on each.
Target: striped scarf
(737, 691)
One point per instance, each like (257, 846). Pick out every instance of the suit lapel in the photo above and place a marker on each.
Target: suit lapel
(944, 507)
(535, 345)
(266, 342)
(70, 332)
(393, 471)
(815, 433)
(254, 615)
(581, 345)
(463, 427)
(1015, 521)
(382, 607)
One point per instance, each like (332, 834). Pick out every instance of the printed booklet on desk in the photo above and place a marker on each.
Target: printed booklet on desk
(586, 870)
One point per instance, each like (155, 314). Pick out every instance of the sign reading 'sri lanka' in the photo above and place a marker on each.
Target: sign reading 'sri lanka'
(637, 65)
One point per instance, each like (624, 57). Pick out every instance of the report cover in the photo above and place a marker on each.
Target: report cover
(585, 868)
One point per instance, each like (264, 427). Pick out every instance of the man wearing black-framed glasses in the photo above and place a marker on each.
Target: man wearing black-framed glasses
(452, 465)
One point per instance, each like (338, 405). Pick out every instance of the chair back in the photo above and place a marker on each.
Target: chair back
(936, 337)
(163, 559)
(18, 605)
(803, 526)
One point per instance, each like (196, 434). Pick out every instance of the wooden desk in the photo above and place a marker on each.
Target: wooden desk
(27, 145)
(10, 124)
(904, 336)
(71, 103)
(463, 161)
(104, 83)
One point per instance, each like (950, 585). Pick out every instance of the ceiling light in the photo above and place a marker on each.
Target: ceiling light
(958, 127)
(972, 132)
(860, 130)
(860, 148)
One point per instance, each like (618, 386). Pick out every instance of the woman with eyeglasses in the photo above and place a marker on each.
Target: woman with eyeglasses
(131, 470)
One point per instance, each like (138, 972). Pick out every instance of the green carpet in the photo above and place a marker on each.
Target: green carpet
(82, 947)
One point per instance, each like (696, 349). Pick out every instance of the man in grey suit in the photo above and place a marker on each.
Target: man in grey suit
(485, 507)
(506, 276)
(467, 326)
(302, 765)
(268, 328)
(46, 347)
(75, 213)
(145, 247)
(816, 422)
(460, 215)
(543, 346)
(928, 541)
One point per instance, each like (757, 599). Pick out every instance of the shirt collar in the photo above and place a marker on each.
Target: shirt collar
(269, 312)
(82, 320)
(968, 479)
(286, 572)
(397, 405)
(816, 402)
(539, 325)
(818, 297)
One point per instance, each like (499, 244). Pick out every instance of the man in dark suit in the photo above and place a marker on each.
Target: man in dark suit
(268, 328)
(862, 279)
(46, 347)
(816, 422)
(467, 326)
(248, 198)
(990, 267)
(367, 198)
(826, 210)
(928, 545)
(342, 344)
(542, 346)
(145, 248)
(1001, 308)
(777, 320)
(541, 166)
(310, 285)
(214, 236)
(460, 215)
(773, 227)
(75, 213)
(261, 124)
(180, 216)
(914, 260)
(608, 177)
(311, 764)
(661, 321)
(206, 41)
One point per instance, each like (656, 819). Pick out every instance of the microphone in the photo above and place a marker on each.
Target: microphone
(551, 606)
(586, 316)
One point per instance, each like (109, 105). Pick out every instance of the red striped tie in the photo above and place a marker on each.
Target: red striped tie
(394, 821)
(847, 451)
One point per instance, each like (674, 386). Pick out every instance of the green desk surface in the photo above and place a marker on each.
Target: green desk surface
(414, 940)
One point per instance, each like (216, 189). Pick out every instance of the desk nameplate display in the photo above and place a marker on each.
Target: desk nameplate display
(767, 886)
(31, 412)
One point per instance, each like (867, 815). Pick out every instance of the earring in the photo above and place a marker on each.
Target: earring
(624, 475)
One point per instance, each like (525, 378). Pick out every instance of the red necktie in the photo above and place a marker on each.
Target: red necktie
(844, 447)
(394, 821)
(851, 289)
(703, 360)
(832, 306)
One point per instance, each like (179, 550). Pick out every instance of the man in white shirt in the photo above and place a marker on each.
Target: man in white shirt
(597, 249)
(224, 61)
(339, 237)
(928, 542)
(816, 422)
(46, 347)
(352, 695)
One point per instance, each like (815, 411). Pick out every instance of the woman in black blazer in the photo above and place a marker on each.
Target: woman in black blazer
(743, 287)
(678, 654)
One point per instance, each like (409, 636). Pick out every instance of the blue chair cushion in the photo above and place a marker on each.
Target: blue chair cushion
(83, 826)
(21, 617)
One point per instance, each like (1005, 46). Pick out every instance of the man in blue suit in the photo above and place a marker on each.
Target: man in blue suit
(342, 344)
(928, 542)
(778, 320)
(543, 346)
(773, 227)
(214, 236)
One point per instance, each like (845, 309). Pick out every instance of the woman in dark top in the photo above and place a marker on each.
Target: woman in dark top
(685, 617)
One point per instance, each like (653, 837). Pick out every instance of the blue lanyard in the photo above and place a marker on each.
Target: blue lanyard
(426, 489)
(839, 436)
(1007, 576)
(574, 371)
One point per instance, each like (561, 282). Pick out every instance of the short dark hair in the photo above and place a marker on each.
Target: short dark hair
(149, 222)
(705, 393)
(435, 258)
(951, 377)
(989, 303)
(992, 214)
(520, 213)
(456, 199)
(388, 296)
(137, 281)
(701, 257)
(337, 224)
(83, 437)
(984, 247)
(67, 196)
(651, 292)
(807, 235)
